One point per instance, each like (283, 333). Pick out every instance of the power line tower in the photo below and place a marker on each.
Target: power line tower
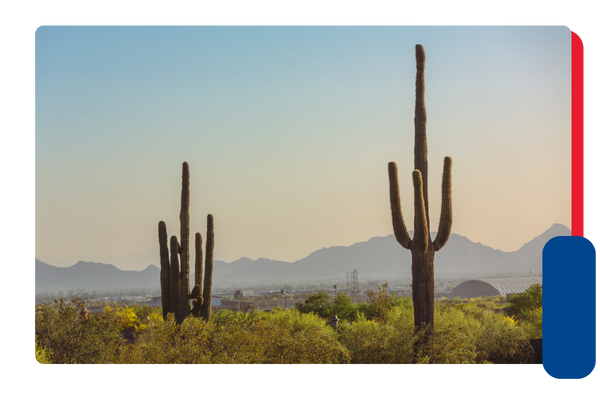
(348, 281)
(353, 283)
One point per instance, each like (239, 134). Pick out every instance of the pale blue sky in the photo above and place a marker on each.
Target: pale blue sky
(288, 132)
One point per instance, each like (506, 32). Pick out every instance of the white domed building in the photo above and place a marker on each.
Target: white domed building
(493, 287)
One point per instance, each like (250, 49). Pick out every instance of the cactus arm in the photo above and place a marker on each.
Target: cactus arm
(198, 261)
(175, 278)
(165, 270)
(421, 237)
(446, 216)
(197, 306)
(208, 270)
(198, 273)
(397, 220)
(196, 292)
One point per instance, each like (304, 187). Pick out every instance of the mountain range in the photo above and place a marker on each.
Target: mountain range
(380, 258)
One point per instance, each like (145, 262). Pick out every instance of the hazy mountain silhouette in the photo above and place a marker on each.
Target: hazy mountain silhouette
(91, 275)
(383, 256)
(379, 258)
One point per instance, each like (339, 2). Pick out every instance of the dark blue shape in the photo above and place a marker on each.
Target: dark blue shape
(569, 304)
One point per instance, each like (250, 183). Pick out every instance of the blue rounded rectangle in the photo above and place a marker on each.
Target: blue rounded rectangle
(569, 304)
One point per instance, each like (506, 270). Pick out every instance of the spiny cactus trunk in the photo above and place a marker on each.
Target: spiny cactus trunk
(198, 276)
(165, 270)
(184, 250)
(175, 270)
(175, 292)
(423, 289)
(198, 263)
(421, 247)
(208, 270)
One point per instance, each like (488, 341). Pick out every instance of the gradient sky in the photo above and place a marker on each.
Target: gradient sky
(288, 132)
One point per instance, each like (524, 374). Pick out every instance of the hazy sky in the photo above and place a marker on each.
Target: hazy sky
(288, 132)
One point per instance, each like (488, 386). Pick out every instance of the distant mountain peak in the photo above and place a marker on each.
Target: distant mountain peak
(537, 244)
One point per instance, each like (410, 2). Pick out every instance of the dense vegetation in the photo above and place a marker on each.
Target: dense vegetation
(379, 331)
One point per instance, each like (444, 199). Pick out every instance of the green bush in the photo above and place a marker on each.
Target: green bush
(238, 338)
(395, 341)
(318, 303)
(468, 333)
(344, 307)
(380, 302)
(297, 320)
(156, 345)
(531, 322)
(41, 355)
(464, 332)
(452, 342)
(293, 342)
(501, 341)
(69, 336)
(369, 342)
(520, 303)
(326, 306)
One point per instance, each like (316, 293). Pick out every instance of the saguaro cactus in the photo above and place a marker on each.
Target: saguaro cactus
(210, 245)
(175, 271)
(421, 247)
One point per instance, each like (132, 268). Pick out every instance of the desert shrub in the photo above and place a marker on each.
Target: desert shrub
(165, 342)
(68, 335)
(497, 338)
(318, 303)
(393, 339)
(301, 341)
(297, 320)
(367, 341)
(465, 334)
(531, 323)
(237, 338)
(156, 345)
(453, 339)
(501, 341)
(370, 342)
(233, 339)
(41, 355)
(344, 307)
(326, 306)
(123, 317)
(521, 303)
(380, 302)
(474, 308)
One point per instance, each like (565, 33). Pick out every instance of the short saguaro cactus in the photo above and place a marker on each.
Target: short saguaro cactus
(175, 270)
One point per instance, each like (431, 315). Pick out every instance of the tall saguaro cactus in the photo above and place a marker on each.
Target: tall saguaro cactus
(175, 270)
(421, 247)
